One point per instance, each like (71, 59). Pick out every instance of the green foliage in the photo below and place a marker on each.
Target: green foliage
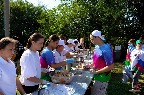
(24, 18)
(119, 20)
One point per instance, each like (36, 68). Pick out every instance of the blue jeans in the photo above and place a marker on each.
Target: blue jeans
(126, 75)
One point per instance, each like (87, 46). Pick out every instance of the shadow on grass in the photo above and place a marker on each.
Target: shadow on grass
(116, 87)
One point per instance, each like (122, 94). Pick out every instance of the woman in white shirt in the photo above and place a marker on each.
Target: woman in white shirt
(30, 64)
(8, 80)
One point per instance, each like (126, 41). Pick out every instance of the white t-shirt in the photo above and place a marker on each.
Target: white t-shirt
(30, 67)
(58, 57)
(7, 77)
(134, 56)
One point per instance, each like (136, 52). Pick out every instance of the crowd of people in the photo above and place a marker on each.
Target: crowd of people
(134, 64)
(40, 56)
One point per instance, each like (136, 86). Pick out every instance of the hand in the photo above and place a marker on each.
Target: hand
(45, 82)
(63, 63)
(92, 71)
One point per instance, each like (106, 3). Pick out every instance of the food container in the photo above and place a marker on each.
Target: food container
(62, 77)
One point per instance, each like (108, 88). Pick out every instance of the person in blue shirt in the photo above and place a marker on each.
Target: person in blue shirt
(47, 59)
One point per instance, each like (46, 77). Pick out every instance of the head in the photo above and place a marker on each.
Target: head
(96, 37)
(70, 43)
(35, 41)
(60, 46)
(131, 42)
(52, 42)
(82, 40)
(142, 39)
(76, 42)
(138, 44)
(62, 37)
(7, 47)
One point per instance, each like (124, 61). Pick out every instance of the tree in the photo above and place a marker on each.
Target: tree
(24, 18)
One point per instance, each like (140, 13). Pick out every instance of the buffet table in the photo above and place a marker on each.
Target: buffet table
(77, 86)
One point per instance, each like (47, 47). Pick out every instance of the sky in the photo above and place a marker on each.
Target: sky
(48, 3)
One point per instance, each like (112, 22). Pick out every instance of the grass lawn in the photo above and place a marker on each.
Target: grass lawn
(115, 86)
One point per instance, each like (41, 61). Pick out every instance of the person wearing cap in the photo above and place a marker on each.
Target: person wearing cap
(77, 44)
(137, 65)
(66, 51)
(69, 45)
(102, 62)
(59, 58)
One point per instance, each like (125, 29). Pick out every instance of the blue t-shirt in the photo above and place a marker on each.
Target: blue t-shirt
(47, 58)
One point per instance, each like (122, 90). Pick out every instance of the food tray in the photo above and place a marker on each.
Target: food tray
(62, 77)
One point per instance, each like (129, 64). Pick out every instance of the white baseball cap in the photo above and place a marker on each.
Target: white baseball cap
(75, 40)
(97, 33)
(70, 41)
(61, 42)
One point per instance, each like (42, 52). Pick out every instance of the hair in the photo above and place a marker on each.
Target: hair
(34, 37)
(62, 37)
(132, 41)
(82, 39)
(7, 40)
(53, 38)
(76, 42)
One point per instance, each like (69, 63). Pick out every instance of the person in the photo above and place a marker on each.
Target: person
(30, 64)
(62, 37)
(102, 62)
(142, 40)
(82, 46)
(126, 72)
(69, 48)
(47, 59)
(59, 58)
(8, 80)
(69, 45)
(77, 44)
(137, 65)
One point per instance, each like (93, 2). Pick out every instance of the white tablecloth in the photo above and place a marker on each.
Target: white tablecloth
(78, 86)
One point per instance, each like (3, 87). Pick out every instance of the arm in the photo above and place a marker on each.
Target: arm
(68, 55)
(1, 93)
(35, 79)
(58, 64)
(105, 69)
(127, 51)
(19, 87)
